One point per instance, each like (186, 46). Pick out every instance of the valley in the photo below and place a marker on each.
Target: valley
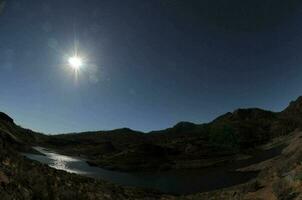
(262, 143)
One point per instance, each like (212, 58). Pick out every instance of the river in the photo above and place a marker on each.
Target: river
(183, 181)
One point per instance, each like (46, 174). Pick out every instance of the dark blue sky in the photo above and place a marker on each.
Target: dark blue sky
(150, 63)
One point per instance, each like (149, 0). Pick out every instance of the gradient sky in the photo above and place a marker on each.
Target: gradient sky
(150, 63)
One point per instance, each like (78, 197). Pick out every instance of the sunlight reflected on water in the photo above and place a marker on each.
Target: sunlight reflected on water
(60, 162)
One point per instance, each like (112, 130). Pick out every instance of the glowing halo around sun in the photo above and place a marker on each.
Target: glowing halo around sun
(75, 62)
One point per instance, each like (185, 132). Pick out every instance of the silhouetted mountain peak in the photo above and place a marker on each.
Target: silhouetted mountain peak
(251, 113)
(124, 131)
(5, 117)
(295, 107)
(183, 125)
(245, 114)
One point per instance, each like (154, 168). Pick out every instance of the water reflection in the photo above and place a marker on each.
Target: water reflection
(57, 161)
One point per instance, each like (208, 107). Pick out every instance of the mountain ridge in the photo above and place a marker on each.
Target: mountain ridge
(228, 134)
(123, 148)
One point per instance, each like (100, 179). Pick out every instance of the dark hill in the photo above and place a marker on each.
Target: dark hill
(5, 117)
(294, 108)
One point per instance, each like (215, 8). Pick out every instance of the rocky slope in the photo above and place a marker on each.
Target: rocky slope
(279, 177)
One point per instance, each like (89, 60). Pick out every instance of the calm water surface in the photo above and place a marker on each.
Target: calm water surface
(173, 181)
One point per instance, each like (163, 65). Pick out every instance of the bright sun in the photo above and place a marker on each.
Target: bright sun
(75, 62)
